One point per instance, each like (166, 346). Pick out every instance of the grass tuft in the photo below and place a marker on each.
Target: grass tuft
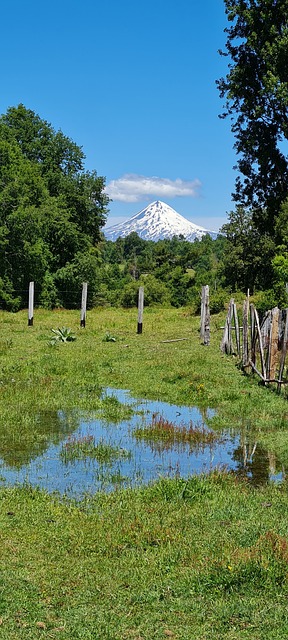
(86, 447)
(169, 434)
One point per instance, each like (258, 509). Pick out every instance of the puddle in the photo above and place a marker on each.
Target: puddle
(136, 460)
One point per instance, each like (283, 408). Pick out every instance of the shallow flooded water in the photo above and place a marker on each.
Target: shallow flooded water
(137, 459)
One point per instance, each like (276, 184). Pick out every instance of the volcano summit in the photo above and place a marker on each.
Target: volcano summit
(157, 222)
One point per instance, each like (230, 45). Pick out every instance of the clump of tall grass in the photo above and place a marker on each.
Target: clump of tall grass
(169, 433)
(86, 447)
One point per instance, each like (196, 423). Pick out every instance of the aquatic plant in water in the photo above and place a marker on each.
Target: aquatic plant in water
(86, 447)
(161, 429)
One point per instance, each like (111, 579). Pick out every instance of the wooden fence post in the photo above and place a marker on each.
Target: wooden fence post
(260, 343)
(83, 305)
(265, 329)
(205, 316)
(202, 313)
(284, 351)
(140, 309)
(236, 325)
(273, 343)
(245, 346)
(31, 304)
(252, 335)
(226, 344)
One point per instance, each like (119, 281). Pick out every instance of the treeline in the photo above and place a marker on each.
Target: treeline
(172, 271)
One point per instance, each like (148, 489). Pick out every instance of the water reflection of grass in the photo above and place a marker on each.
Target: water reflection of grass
(113, 478)
(167, 434)
(86, 447)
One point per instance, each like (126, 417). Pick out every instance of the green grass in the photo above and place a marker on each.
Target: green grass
(202, 559)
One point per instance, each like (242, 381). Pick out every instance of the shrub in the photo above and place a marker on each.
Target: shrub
(155, 292)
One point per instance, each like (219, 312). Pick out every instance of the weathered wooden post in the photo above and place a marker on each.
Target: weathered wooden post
(83, 305)
(205, 316)
(245, 346)
(226, 343)
(265, 329)
(140, 309)
(273, 343)
(284, 351)
(252, 335)
(257, 331)
(31, 304)
(236, 326)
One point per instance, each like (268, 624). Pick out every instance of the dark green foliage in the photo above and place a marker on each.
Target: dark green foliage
(156, 293)
(256, 99)
(83, 268)
(171, 271)
(218, 300)
(248, 253)
(51, 213)
(255, 90)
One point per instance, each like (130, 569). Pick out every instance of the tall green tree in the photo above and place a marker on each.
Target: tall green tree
(51, 210)
(255, 90)
(247, 253)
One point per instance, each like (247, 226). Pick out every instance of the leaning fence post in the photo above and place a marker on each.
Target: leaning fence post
(252, 335)
(31, 304)
(236, 326)
(83, 305)
(140, 309)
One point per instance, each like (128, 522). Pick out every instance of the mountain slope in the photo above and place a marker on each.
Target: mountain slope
(156, 222)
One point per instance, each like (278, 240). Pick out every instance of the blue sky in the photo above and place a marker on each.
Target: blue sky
(134, 84)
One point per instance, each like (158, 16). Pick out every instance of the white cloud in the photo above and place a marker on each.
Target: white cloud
(133, 188)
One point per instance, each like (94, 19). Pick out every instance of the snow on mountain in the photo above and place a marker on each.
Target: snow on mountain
(156, 222)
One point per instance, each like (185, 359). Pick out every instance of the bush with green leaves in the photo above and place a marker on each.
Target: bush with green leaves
(155, 292)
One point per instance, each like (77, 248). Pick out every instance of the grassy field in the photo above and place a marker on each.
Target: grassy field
(199, 559)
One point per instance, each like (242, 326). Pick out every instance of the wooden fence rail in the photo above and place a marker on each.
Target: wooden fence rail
(261, 346)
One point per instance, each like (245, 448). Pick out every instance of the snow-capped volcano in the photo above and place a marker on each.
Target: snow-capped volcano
(156, 222)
